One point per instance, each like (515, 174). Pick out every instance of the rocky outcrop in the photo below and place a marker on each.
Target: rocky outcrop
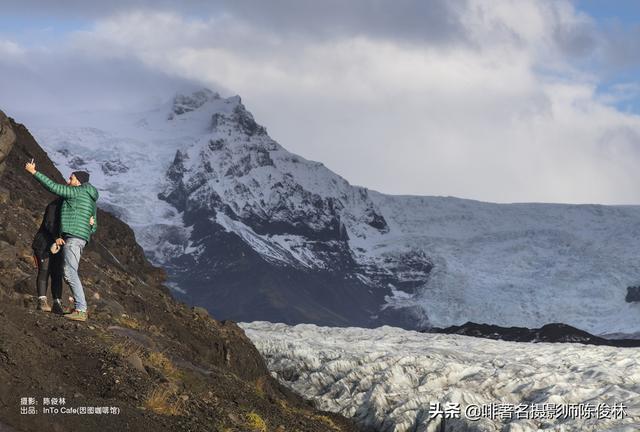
(553, 332)
(163, 365)
(7, 138)
(633, 294)
(186, 103)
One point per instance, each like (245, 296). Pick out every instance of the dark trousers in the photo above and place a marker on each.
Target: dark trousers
(50, 267)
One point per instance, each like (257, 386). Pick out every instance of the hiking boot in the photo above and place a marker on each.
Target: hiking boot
(57, 308)
(77, 315)
(43, 305)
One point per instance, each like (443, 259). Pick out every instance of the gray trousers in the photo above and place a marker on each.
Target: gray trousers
(72, 252)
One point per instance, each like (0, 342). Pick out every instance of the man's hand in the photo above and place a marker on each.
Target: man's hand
(91, 221)
(30, 167)
(59, 241)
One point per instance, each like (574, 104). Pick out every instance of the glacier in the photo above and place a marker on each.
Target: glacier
(391, 380)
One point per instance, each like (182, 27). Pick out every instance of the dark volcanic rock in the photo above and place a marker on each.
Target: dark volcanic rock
(7, 138)
(633, 294)
(246, 122)
(114, 167)
(247, 286)
(554, 332)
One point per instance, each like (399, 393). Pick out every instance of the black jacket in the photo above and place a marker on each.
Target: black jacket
(49, 230)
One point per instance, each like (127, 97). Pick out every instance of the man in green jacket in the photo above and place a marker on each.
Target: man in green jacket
(78, 208)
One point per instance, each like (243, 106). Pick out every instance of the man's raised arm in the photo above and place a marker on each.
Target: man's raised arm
(61, 190)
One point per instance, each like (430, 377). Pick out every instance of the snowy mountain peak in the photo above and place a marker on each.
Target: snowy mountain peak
(183, 103)
(222, 116)
(239, 119)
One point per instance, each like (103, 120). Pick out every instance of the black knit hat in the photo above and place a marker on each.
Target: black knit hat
(82, 176)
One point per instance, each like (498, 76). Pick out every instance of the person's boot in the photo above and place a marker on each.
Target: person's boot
(57, 307)
(77, 315)
(43, 305)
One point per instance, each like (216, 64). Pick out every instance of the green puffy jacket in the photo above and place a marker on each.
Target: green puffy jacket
(78, 206)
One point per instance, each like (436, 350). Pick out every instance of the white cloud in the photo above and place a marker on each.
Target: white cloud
(500, 113)
(10, 49)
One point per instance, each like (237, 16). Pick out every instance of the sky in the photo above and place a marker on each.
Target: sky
(494, 100)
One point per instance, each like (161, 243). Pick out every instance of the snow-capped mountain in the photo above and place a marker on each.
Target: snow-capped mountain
(394, 380)
(254, 232)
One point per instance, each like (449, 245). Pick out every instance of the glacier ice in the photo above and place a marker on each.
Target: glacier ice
(386, 378)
